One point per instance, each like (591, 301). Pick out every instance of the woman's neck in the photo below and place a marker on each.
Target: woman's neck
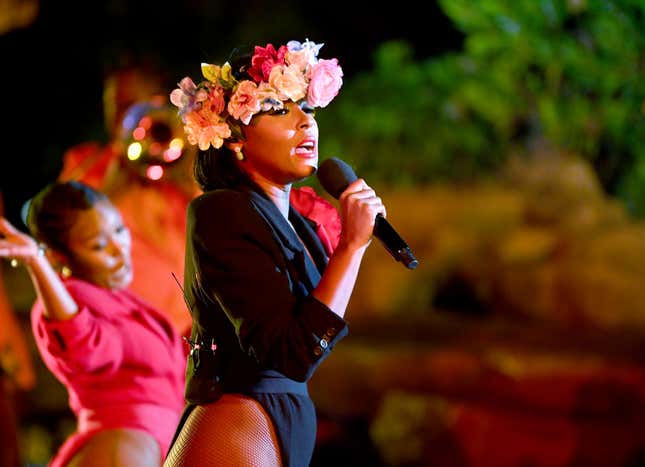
(279, 194)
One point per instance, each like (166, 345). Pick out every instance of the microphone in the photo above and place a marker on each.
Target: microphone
(335, 176)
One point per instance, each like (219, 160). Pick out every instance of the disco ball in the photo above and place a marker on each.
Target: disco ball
(152, 139)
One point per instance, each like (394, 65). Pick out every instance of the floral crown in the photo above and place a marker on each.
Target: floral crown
(211, 110)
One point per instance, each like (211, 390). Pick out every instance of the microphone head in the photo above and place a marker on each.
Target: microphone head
(335, 175)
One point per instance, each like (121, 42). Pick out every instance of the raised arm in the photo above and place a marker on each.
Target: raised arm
(359, 206)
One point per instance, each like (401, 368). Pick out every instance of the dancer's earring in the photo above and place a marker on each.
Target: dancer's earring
(58, 261)
(65, 272)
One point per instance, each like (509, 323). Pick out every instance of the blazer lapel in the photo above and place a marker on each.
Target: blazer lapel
(308, 235)
(308, 273)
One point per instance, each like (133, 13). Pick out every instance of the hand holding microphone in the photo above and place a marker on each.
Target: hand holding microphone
(359, 207)
(336, 176)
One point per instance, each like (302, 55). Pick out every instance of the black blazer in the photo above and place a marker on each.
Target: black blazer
(248, 283)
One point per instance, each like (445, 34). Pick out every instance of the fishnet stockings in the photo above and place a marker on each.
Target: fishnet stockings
(235, 431)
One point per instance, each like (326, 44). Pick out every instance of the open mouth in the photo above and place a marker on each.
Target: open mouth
(306, 148)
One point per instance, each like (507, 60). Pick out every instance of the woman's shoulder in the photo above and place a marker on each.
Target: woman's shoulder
(222, 198)
(92, 296)
(222, 206)
(85, 295)
(80, 289)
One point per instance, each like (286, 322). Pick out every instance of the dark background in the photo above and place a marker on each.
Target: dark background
(53, 69)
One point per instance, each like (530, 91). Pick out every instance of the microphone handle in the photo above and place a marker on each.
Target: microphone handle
(393, 242)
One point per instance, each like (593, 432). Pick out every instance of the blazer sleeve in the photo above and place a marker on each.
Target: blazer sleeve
(240, 266)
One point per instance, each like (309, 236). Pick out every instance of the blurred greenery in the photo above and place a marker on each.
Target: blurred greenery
(568, 72)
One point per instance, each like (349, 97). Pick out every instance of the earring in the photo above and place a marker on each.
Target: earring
(66, 272)
(239, 155)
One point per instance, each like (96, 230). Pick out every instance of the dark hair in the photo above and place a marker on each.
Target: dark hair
(240, 60)
(53, 211)
(216, 168)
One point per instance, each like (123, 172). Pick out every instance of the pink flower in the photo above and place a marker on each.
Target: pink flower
(204, 126)
(214, 109)
(325, 80)
(215, 101)
(263, 61)
(289, 82)
(244, 102)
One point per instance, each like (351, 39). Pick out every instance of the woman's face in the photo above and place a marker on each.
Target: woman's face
(282, 146)
(99, 247)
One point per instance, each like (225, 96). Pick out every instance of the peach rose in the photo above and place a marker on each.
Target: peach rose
(289, 82)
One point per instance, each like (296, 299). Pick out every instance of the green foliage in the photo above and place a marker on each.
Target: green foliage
(567, 71)
(394, 124)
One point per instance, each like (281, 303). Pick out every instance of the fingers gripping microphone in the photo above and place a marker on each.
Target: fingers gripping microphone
(335, 176)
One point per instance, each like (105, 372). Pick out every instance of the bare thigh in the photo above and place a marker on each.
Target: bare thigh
(234, 431)
(119, 448)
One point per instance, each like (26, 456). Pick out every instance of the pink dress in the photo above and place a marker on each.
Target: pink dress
(121, 361)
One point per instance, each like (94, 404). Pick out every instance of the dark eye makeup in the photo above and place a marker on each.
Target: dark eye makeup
(304, 106)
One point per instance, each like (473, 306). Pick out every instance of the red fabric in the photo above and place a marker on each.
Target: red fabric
(317, 209)
(121, 362)
(89, 163)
